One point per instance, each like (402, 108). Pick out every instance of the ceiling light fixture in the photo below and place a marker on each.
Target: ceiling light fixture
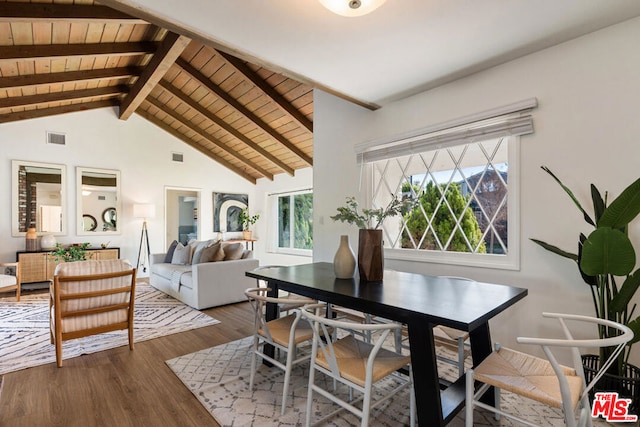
(352, 7)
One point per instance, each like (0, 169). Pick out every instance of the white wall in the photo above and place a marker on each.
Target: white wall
(140, 150)
(586, 130)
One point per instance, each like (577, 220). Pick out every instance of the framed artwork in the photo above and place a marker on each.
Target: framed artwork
(226, 211)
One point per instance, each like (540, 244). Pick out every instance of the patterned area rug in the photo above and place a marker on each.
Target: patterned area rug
(24, 328)
(219, 378)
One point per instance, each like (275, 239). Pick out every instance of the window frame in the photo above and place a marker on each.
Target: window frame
(510, 261)
(274, 237)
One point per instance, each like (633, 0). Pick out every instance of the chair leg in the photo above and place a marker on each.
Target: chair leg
(253, 362)
(366, 406)
(412, 400)
(312, 374)
(287, 379)
(460, 357)
(468, 410)
(131, 336)
(59, 352)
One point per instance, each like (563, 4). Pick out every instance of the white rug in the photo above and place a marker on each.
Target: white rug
(219, 378)
(24, 328)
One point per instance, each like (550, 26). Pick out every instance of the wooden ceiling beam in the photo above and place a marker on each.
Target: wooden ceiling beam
(170, 48)
(24, 52)
(63, 109)
(69, 95)
(195, 128)
(13, 82)
(31, 12)
(225, 126)
(268, 91)
(243, 110)
(194, 144)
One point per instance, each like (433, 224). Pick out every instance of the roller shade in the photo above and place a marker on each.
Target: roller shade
(513, 119)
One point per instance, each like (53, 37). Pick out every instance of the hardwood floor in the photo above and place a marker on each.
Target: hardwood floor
(119, 387)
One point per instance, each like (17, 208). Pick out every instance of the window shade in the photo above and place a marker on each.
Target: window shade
(513, 119)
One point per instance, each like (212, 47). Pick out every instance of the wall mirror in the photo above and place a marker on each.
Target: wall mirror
(38, 198)
(98, 201)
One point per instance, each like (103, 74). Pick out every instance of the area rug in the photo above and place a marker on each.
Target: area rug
(219, 378)
(24, 328)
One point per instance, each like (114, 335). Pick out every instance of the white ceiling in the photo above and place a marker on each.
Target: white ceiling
(404, 47)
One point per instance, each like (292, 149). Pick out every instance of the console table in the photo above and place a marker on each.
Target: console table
(39, 266)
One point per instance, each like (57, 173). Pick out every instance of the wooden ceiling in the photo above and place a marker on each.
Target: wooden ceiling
(61, 56)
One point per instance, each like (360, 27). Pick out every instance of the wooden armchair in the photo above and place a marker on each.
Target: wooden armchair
(10, 282)
(89, 298)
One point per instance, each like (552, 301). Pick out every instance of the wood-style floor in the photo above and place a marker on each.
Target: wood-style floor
(119, 387)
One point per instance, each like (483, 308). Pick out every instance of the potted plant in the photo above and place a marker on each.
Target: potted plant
(77, 252)
(247, 221)
(370, 254)
(606, 260)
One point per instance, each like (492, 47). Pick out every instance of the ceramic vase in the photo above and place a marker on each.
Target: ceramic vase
(48, 242)
(344, 262)
(370, 255)
(31, 240)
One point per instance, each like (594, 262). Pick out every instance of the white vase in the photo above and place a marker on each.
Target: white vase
(344, 262)
(48, 241)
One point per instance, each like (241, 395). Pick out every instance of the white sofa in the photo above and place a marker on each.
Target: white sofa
(203, 285)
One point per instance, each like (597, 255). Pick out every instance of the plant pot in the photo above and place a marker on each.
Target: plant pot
(370, 255)
(247, 234)
(627, 386)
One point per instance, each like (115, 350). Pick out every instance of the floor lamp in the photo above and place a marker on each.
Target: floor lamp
(144, 211)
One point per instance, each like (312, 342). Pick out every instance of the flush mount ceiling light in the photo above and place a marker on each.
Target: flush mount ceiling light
(352, 7)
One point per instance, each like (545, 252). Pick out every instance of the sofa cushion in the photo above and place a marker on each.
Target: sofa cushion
(211, 253)
(198, 247)
(166, 270)
(233, 251)
(181, 255)
(172, 247)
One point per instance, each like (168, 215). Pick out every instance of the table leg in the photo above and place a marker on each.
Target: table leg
(271, 314)
(425, 374)
(480, 339)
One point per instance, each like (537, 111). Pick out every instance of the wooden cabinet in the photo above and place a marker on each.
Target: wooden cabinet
(40, 266)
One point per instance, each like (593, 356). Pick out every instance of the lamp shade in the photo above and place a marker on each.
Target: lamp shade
(144, 210)
(352, 7)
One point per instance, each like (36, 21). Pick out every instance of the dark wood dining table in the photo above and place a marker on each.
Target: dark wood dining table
(417, 300)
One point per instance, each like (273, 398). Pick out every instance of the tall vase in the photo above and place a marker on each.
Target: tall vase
(370, 255)
(344, 262)
(31, 240)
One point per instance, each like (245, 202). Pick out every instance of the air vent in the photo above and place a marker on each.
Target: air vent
(56, 138)
(177, 157)
(102, 198)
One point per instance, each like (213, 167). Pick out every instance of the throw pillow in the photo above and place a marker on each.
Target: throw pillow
(181, 255)
(247, 254)
(169, 256)
(233, 251)
(211, 254)
(197, 250)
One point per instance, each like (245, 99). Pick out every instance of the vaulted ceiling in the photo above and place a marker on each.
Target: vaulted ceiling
(59, 56)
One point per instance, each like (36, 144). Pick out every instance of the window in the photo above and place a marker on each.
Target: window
(295, 222)
(464, 180)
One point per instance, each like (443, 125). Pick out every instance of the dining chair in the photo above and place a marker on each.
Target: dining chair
(9, 282)
(544, 380)
(283, 333)
(90, 298)
(286, 307)
(354, 363)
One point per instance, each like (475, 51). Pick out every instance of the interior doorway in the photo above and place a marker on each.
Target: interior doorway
(182, 214)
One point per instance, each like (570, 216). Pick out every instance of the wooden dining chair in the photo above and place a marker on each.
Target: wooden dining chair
(544, 380)
(355, 363)
(285, 334)
(89, 298)
(9, 282)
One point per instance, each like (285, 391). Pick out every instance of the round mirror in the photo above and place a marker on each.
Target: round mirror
(109, 218)
(89, 223)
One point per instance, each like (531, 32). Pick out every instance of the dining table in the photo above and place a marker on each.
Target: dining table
(421, 302)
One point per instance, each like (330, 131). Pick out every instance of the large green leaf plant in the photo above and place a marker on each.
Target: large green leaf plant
(606, 260)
